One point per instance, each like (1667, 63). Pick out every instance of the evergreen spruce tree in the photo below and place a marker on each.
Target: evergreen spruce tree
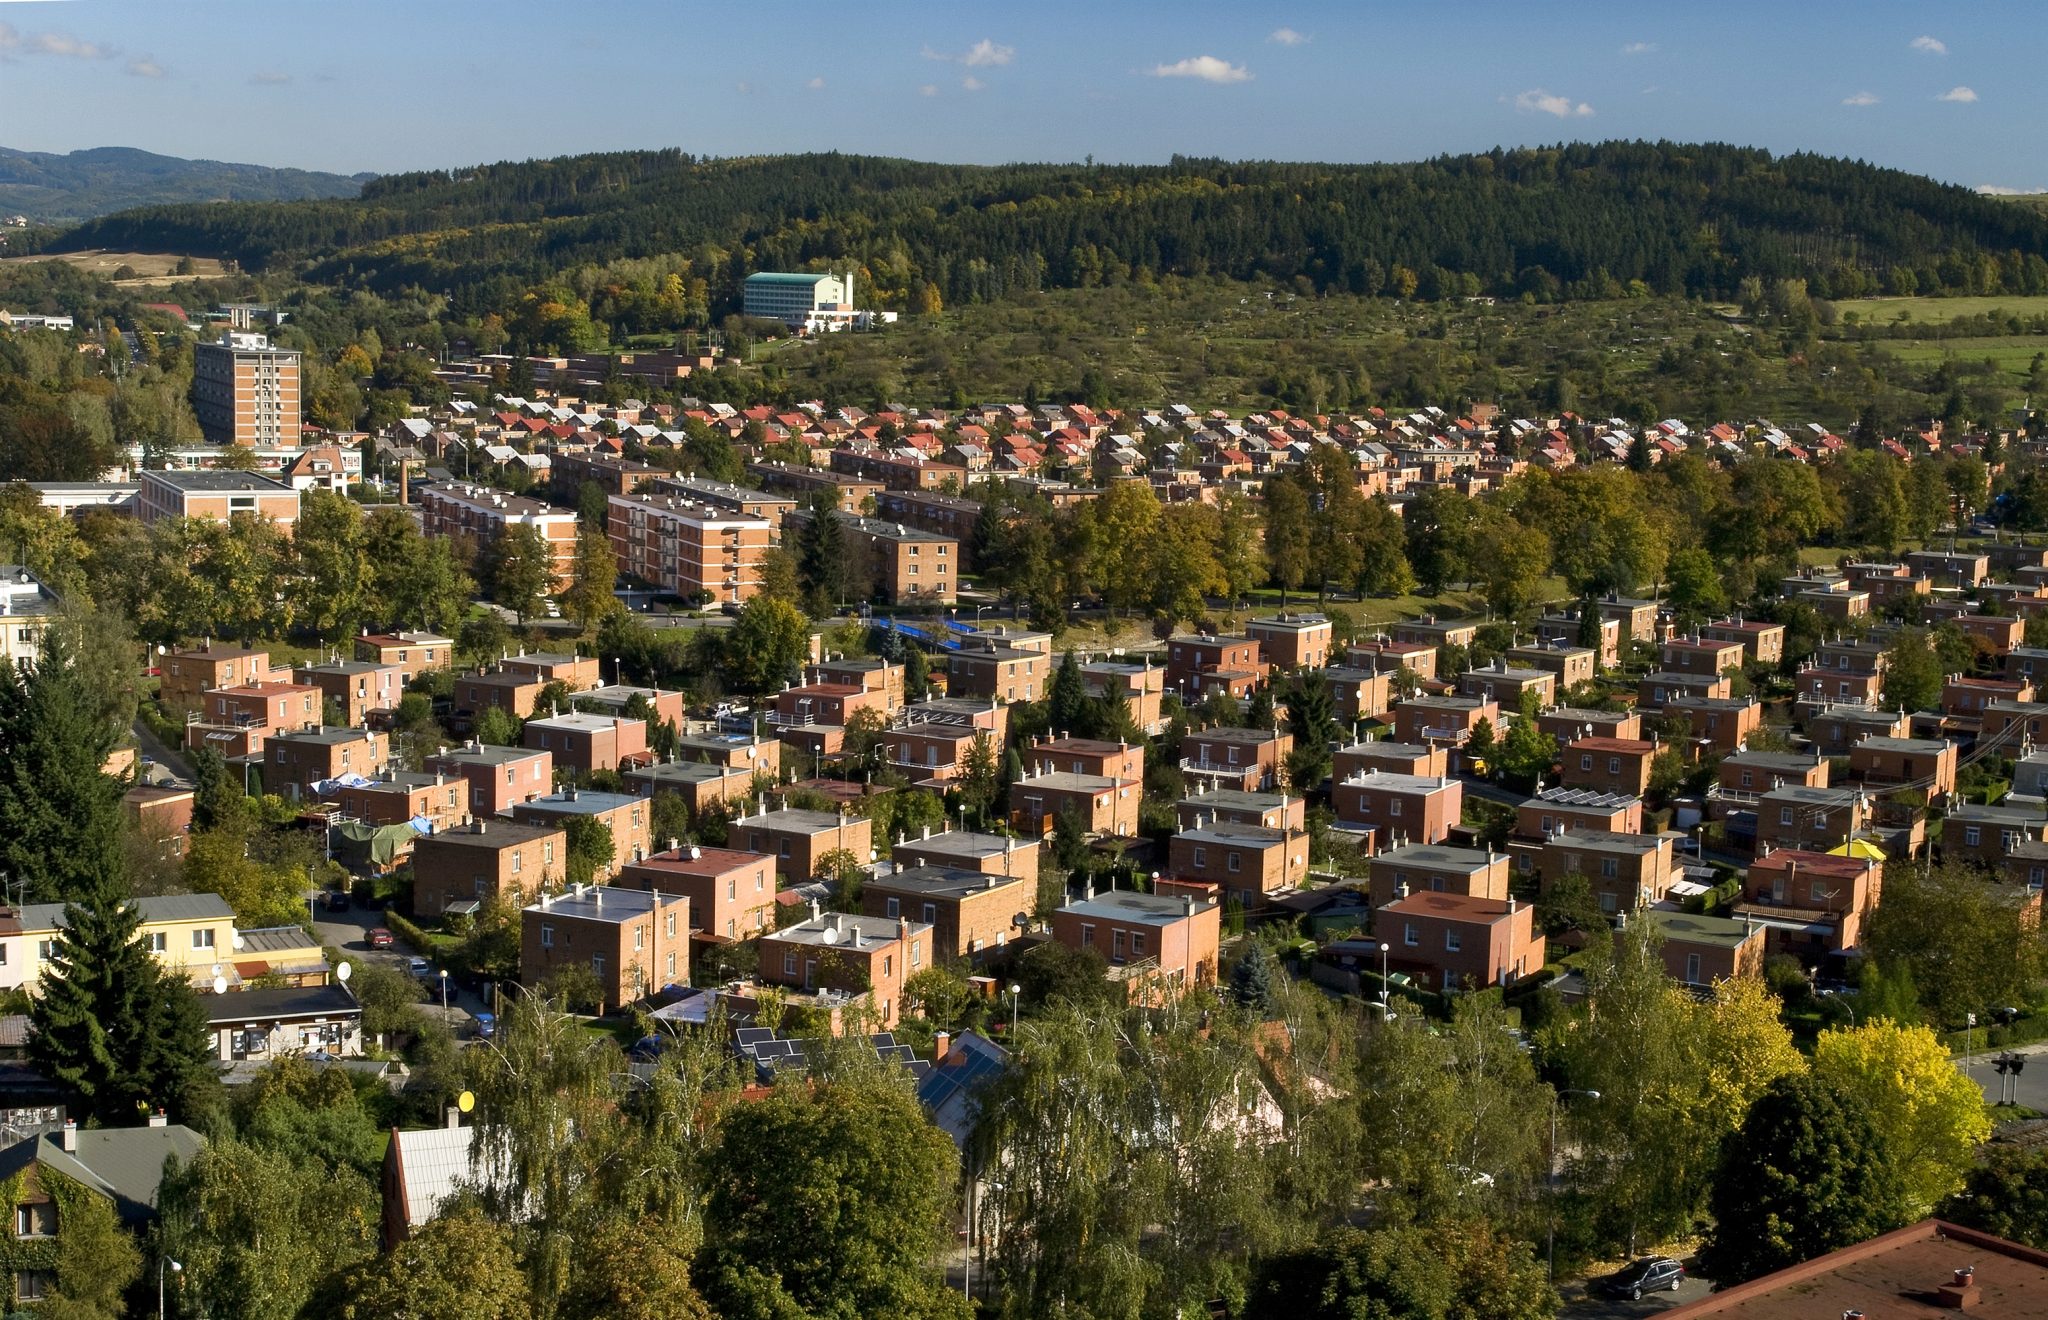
(112, 1026)
(1251, 981)
(60, 824)
(1067, 703)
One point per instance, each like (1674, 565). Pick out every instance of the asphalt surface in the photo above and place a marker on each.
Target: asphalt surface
(1579, 1305)
(350, 932)
(2031, 1087)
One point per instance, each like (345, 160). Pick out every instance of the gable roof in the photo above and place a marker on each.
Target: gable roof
(125, 1165)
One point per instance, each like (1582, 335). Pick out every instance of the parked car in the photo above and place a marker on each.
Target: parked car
(1650, 1274)
(419, 969)
(380, 938)
(486, 1026)
(337, 900)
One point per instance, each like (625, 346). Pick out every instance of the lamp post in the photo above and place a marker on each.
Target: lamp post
(1016, 995)
(1550, 1178)
(444, 992)
(176, 1268)
(1385, 1015)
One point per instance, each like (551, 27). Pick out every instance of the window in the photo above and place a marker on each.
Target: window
(34, 1285)
(916, 952)
(597, 965)
(1116, 946)
(1453, 942)
(1393, 806)
(1745, 779)
(158, 942)
(892, 907)
(1784, 815)
(1231, 863)
(202, 939)
(518, 862)
(639, 937)
(1409, 935)
(1607, 903)
(1692, 969)
(34, 1219)
(1586, 761)
(888, 964)
(46, 949)
(1971, 836)
(789, 964)
(1613, 765)
(547, 937)
(782, 849)
(1609, 868)
(1201, 856)
(547, 854)
(1087, 936)
(931, 913)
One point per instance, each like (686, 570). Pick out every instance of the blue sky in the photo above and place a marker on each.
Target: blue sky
(1954, 91)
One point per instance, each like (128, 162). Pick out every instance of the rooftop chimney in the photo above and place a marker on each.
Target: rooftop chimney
(158, 1118)
(454, 1117)
(71, 1136)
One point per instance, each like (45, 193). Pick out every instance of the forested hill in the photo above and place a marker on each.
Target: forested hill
(50, 188)
(1564, 222)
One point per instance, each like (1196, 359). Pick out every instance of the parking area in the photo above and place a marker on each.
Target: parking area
(1582, 1306)
(349, 932)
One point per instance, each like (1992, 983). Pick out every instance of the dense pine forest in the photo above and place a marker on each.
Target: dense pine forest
(1556, 224)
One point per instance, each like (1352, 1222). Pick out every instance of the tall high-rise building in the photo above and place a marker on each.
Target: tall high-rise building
(245, 391)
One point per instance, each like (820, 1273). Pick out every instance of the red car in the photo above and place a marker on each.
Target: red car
(380, 938)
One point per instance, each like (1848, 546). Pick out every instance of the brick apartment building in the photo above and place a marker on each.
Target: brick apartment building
(1398, 808)
(968, 911)
(483, 515)
(633, 941)
(731, 892)
(497, 777)
(245, 391)
(1244, 862)
(217, 495)
(483, 861)
(1156, 944)
(1290, 641)
(1422, 868)
(1456, 941)
(862, 956)
(698, 552)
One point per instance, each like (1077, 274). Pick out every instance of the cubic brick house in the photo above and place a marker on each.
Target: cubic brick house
(1445, 722)
(1758, 772)
(1197, 665)
(736, 751)
(1700, 950)
(588, 743)
(515, 694)
(1571, 664)
(797, 839)
(624, 814)
(1240, 863)
(1359, 694)
(1817, 819)
(1927, 764)
(1103, 806)
(1157, 945)
(414, 653)
(238, 721)
(1229, 757)
(1986, 835)
(497, 777)
(968, 911)
(1563, 629)
(698, 784)
(1394, 757)
(1607, 765)
(189, 675)
(483, 861)
(1506, 687)
(1387, 656)
(294, 762)
(1811, 905)
(1140, 687)
(731, 893)
(1717, 724)
(633, 941)
(1762, 643)
(866, 959)
(1398, 809)
(1455, 942)
(1570, 723)
(355, 688)
(814, 716)
(398, 796)
(863, 672)
(1293, 641)
(578, 673)
(1436, 869)
(1085, 756)
(966, 850)
(985, 668)
(1625, 871)
(1229, 806)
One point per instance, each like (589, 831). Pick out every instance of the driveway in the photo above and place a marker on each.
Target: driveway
(350, 932)
(1579, 1306)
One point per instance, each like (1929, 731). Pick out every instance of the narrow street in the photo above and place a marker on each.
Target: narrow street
(350, 932)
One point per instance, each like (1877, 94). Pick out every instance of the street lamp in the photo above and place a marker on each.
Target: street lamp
(1385, 1016)
(1550, 1177)
(444, 992)
(176, 1268)
(1016, 996)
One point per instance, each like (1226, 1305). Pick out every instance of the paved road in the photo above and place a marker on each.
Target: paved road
(1579, 1306)
(153, 747)
(350, 932)
(2032, 1087)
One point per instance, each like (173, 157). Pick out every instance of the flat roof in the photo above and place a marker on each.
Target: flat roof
(1609, 839)
(1697, 928)
(1065, 781)
(609, 903)
(497, 832)
(1129, 905)
(699, 861)
(965, 843)
(944, 881)
(1228, 832)
(1433, 854)
(1454, 907)
(216, 481)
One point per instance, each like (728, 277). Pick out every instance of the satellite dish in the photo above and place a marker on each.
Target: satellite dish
(466, 1101)
(238, 940)
(829, 935)
(343, 971)
(220, 985)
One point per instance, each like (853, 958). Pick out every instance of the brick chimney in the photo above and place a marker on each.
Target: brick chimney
(1960, 1293)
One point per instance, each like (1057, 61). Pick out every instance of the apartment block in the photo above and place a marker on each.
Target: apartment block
(484, 861)
(484, 514)
(968, 911)
(699, 552)
(216, 495)
(633, 941)
(245, 391)
(731, 892)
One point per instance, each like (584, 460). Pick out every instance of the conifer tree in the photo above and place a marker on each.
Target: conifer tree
(60, 825)
(1067, 703)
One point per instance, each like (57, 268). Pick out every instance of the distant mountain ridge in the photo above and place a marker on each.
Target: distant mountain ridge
(79, 185)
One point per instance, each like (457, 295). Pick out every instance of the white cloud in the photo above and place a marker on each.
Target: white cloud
(2003, 190)
(13, 40)
(972, 83)
(1287, 37)
(1962, 95)
(145, 67)
(743, 87)
(1639, 48)
(1205, 67)
(929, 89)
(1536, 101)
(1929, 45)
(816, 84)
(983, 54)
(271, 79)
(1861, 98)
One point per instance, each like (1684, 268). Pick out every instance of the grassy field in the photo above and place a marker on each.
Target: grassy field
(2013, 354)
(152, 269)
(1940, 311)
